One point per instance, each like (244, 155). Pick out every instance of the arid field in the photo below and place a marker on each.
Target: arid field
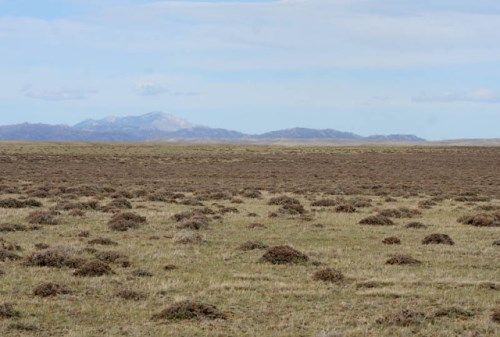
(242, 240)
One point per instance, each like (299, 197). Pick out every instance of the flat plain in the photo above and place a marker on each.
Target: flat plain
(243, 240)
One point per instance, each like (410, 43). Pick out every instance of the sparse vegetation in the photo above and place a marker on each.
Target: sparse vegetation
(250, 233)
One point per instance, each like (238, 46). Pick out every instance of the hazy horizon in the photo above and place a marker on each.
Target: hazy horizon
(367, 67)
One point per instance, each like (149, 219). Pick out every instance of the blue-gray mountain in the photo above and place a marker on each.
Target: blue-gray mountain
(157, 126)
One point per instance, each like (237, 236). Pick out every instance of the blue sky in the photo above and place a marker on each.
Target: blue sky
(430, 68)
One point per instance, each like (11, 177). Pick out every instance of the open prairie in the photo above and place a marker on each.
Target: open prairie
(227, 240)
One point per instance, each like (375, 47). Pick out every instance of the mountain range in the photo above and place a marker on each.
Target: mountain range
(159, 126)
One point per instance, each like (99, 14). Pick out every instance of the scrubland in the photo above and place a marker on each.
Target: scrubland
(220, 240)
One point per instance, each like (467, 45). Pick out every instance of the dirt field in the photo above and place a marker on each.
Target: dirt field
(178, 240)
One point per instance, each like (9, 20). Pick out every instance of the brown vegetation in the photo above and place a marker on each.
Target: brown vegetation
(438, 238)
(376, 220)
(50, 289)
(284, 255)
(328, 275)
(402, 259)
(189, 310)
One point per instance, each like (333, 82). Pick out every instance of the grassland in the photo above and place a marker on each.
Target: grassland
(57, 202)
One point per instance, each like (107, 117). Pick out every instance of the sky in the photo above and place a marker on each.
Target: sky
(430, 68)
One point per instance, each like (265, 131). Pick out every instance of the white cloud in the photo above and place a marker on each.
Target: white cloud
(477, 96)
(60, 94)
(151, 89)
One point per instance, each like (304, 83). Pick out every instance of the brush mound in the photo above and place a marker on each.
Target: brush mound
(12, 227)
(283, 200)
(252, 245)
(188, 236)
(50, 289)
(6, 255)
(194, 223)
(325, 203)
(284, 255)
(401, 212)
(495, 316)
(189, 310)
(125, 221)
(7, 310)
(93, 268)
(102, 241)
(345, 208)
(416, 225)
(402, 259)
(481, 220)
(391, 240)
(404, 317)
(57, 257)
(376, 220)
(15, 203)
(42, 218)
(131, 295)
(328, 275)
(437, 238)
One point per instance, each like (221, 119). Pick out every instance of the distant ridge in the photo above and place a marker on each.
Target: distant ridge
(159, 126)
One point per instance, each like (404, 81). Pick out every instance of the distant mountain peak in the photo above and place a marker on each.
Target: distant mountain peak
(155, 120)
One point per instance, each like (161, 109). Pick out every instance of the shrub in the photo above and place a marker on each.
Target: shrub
(50, 289)
(328, 275)
(8, 255)
(324, 203)
(10, 227)
(345, 208)
(401, 212)
(402, 259)
(438, 239)
(103, 241)
(404, 317)
(188, 310)
(188, 236)
(7, 311)
(391, 240)
(376, 220)
(252, 245)
(42, 218)
(93, 268)
(416, 225)
(284, 255)
(57, 257)
(283, 200)
(125, 221)
(127, 294)
(15, 203)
